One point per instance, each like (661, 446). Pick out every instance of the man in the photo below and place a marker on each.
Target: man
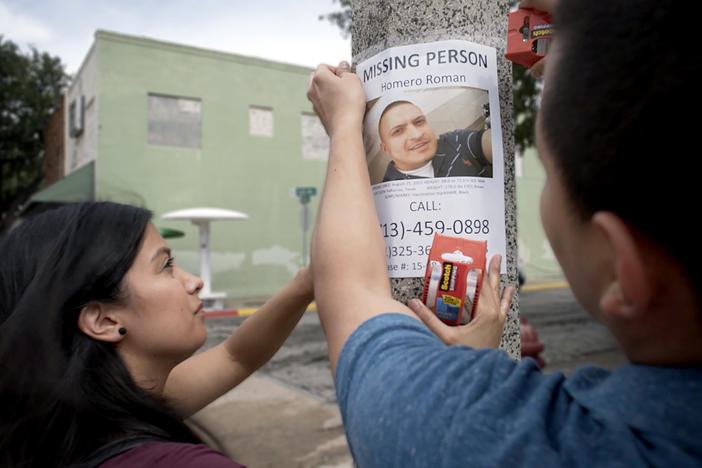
(620, 231)
(408, 138)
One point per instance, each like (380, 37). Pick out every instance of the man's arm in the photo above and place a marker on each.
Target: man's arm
(486, 144)
(348, 250)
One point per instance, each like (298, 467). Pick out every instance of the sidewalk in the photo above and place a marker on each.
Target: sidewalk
(264, 423)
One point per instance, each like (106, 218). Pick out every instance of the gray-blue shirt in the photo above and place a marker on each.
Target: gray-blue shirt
(408, 400)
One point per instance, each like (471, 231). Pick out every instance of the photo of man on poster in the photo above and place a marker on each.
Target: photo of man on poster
(434, 153)
(416, 151)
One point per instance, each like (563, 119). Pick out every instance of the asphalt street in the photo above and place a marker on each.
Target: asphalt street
(571, 338)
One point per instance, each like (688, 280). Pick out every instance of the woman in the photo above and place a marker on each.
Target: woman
(98, 327)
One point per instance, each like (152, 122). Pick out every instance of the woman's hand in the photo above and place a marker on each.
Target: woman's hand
(337, 97)
(531, 346)
(485, 330)
(303, 283)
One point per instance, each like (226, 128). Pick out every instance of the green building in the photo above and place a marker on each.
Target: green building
(538, 260)
(170, 127)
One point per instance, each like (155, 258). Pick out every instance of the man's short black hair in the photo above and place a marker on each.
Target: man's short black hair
(390, 106)
(620, 113)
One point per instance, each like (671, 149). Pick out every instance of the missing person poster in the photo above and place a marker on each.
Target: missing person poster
(433, 144)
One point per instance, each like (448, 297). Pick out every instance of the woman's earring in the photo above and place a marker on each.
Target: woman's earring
(122, 331)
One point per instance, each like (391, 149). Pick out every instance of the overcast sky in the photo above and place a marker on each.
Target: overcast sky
(282, 30)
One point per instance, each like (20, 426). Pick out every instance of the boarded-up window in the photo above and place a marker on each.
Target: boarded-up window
(175, 121)
(261, 121)
(76, 117)
(315, 142)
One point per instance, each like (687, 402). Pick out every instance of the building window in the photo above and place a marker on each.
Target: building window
(261, 121)
(315, 142)
(76, 116)
(175, 121)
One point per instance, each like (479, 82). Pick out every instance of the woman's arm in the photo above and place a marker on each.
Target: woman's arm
(204, 377)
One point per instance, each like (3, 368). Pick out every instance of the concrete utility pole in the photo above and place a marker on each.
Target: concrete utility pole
(380, 24)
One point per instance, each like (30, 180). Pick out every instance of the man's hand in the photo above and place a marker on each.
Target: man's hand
(302, 283)
(485, 330)
(337, 96)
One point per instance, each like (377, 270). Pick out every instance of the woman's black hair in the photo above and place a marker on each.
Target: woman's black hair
(63, 393)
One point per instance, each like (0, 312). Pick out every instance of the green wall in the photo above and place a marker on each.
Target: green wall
(232, 170)
(539, 262)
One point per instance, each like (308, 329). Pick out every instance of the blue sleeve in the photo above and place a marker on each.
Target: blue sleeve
(406, 399)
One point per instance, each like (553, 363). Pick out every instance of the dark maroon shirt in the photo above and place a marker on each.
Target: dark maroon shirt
(171, 455)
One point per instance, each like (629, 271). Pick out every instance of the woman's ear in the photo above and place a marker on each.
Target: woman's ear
(629, 291)
(95, 321)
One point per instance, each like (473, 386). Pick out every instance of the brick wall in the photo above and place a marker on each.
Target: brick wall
(54, 147)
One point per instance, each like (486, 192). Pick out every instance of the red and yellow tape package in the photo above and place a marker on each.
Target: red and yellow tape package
(453, 278)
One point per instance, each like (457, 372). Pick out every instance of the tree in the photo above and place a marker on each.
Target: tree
(30, 88)
(525, 89)
(342, 18)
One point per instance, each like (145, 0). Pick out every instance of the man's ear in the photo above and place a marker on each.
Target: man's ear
(629, 291)
(95, 321)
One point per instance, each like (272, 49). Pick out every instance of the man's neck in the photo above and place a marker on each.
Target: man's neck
(426, 170)
(668, 336)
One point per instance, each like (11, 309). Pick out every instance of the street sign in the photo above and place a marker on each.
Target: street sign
(308, 191)
(304, 193)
